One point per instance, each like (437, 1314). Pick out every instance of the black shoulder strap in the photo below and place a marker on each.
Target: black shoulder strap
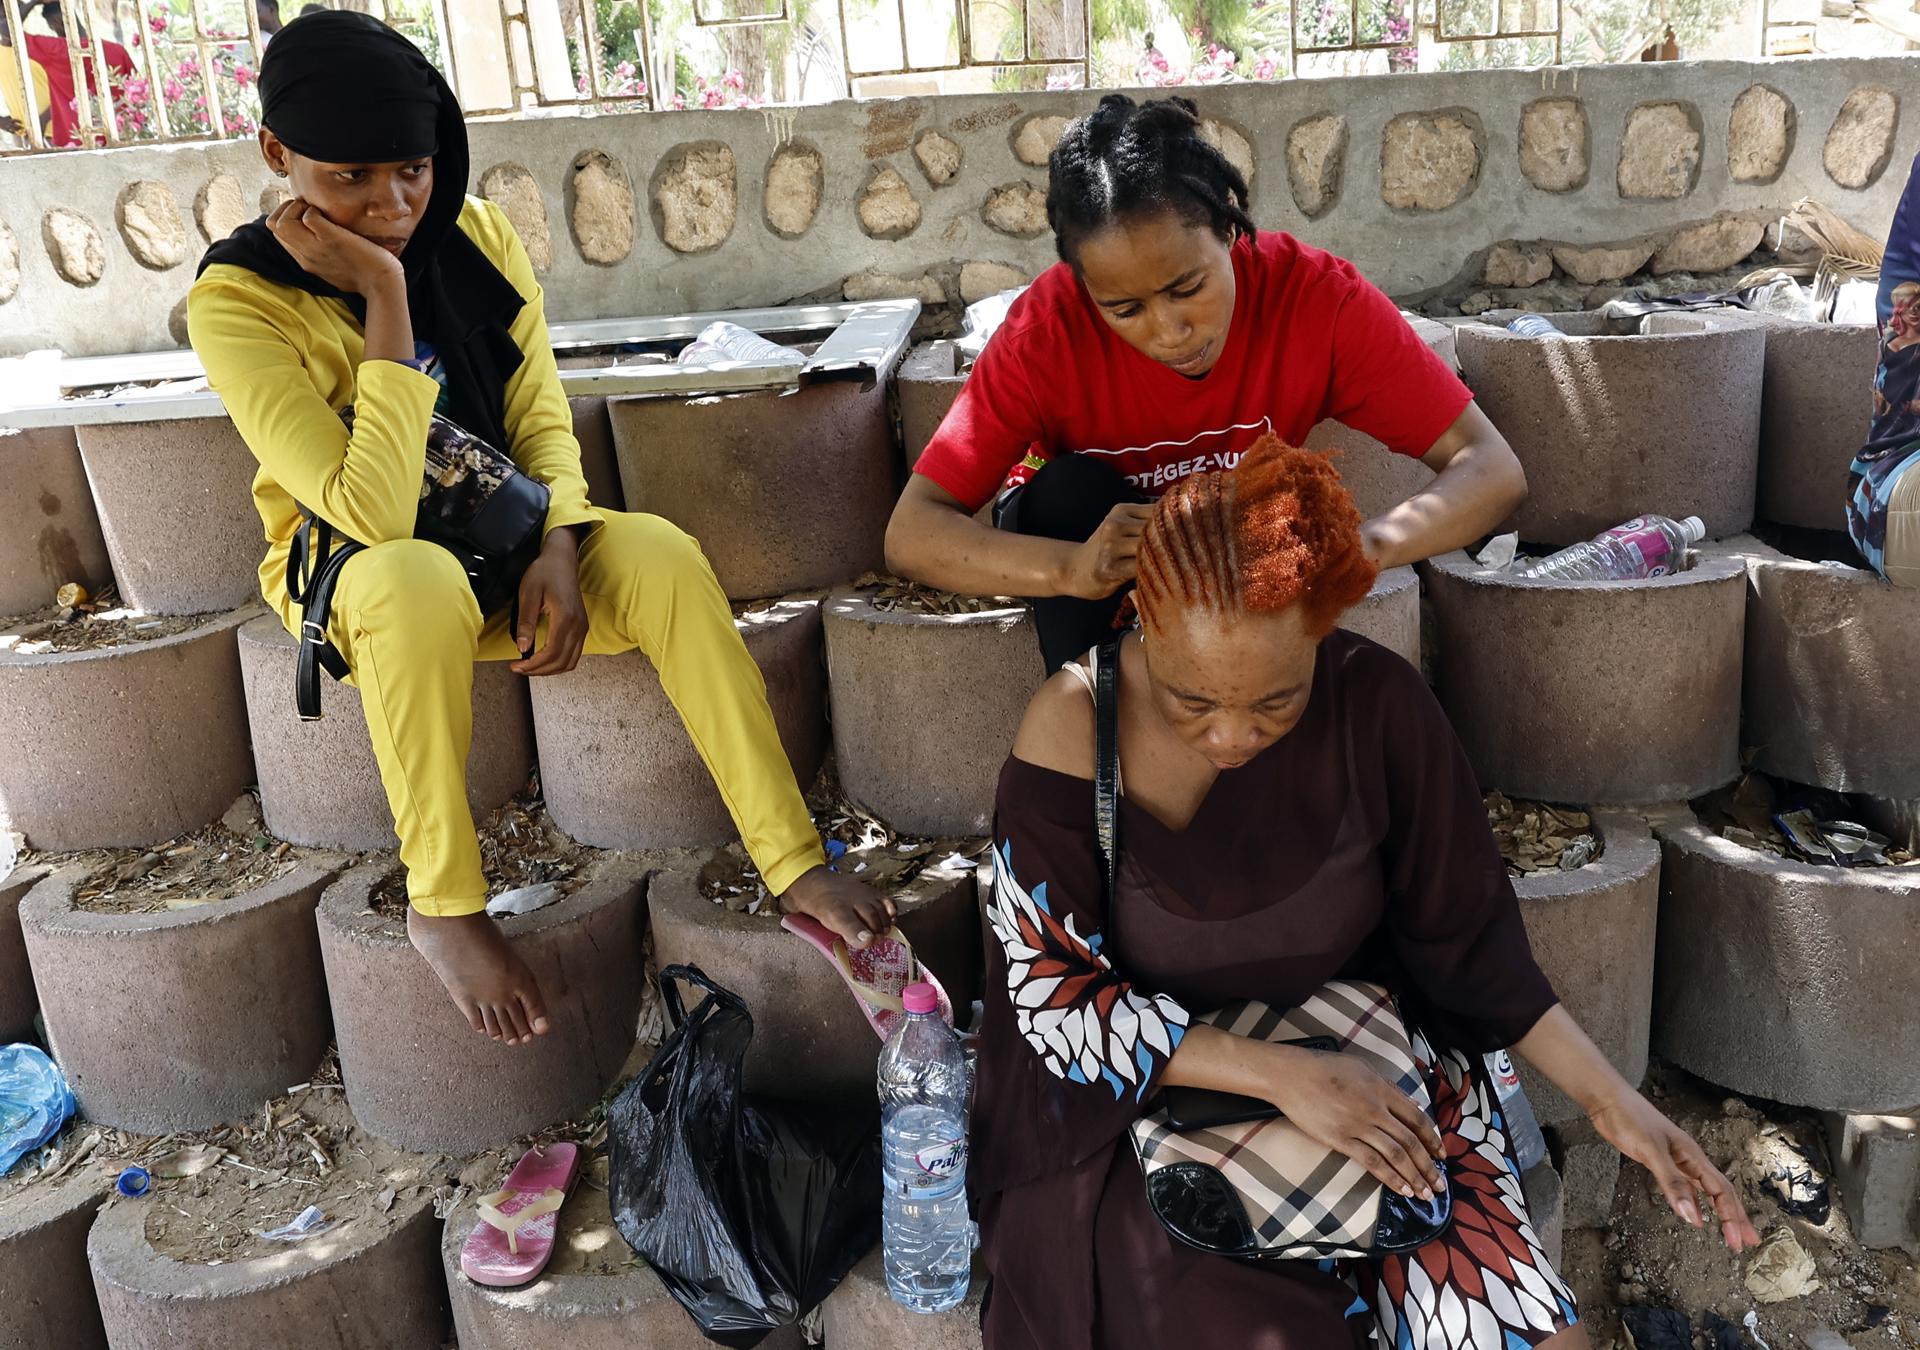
(313, 566)
(1106, 763)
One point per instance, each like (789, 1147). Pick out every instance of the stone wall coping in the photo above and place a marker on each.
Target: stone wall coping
(215, 624)
(1628, 854)
(49, 908)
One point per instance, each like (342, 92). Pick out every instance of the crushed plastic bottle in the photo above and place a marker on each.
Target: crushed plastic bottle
(1646, 546)
(927, 1231)
(723, 341)
(1532, 325)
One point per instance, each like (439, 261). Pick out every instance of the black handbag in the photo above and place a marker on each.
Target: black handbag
(474, 502)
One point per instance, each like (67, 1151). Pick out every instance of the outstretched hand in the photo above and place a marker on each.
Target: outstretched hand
(1633, 1125)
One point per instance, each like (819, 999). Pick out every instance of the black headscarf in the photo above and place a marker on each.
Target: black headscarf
(344, 88)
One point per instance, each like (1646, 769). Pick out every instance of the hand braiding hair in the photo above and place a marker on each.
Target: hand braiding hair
(1130, 159)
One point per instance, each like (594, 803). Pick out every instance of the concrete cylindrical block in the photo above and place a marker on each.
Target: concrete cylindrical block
(1832, 676)
(810, 1040)
(1784, 980)
(925, 388)
(1593, 691)
(46, 1298)
(593, 428)
(52, 535)
(1593, 932)
(351, 1288)
(1390, 615)
(1814, 412)
(17, 1001)
(861, 1315)
(124, 746)
(1378, 478)
(925, 707)
(617, 766)
(1610, 427)
(176, 507)
(184, 1019)
(784, 492)
(319, 784)
(418, 1076)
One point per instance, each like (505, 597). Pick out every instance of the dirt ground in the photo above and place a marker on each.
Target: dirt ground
(90, 624)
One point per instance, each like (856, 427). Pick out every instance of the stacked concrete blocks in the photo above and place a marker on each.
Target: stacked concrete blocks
(1876, 1162)
(593, 428)
(184, 1019)
(17, 1001)
(1390, 615)
(319, 784)
(52, 535)
(418, 1076)
(1814, 411)
(46, 1298)
(163, 722)
(928, 383)
(617, 765)
(925, 707)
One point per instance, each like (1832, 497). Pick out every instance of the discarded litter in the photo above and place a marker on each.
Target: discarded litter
(133, 1182)
(523, 899)
(1752, 1323)
(1499, 552)
(1793, 1179)
(1644, 547)
(1657, 1328)
(35, 1102)
(1533, 326)
(310, 1222)
(185, 1162)
(1535, 838)
(1781, 1270)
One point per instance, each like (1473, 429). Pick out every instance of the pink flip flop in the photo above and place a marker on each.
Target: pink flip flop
(513, 1241)
(875, 976)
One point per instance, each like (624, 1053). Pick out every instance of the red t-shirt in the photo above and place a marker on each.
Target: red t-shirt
(51, 53)
(1311, 339)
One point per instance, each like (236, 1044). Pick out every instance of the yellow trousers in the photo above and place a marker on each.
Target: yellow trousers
(406, 621)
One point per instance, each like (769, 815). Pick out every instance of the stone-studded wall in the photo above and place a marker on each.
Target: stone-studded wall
(1428, 182)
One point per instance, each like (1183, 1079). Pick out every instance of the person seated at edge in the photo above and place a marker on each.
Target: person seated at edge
(1883, 483)
(1294, 809)
(1172, 334)
(381, 284)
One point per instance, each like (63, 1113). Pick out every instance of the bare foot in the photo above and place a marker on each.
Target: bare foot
(492, 987)
(853, 909)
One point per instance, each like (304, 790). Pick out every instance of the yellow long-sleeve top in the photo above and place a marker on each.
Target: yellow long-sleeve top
(285, 362)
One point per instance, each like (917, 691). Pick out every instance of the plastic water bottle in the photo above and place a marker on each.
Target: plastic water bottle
(723, 341)
(928, 1233)
(1532, 325)
(1523, 1127)
(1646, 546)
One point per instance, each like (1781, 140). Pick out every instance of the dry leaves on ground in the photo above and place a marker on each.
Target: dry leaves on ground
(77, 622)
(889, 593)
(1534, 837)
(228, 858)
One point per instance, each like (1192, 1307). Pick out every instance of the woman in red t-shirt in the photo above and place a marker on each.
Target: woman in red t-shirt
(1172, 336)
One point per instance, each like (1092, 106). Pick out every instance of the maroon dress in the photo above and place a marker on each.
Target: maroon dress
(1355, 846)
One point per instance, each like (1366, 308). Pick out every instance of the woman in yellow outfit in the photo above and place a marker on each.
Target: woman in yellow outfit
(382, 286)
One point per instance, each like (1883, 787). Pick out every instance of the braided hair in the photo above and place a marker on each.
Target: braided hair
(1130, 159)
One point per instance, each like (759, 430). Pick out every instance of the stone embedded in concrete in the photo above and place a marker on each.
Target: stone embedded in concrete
(1231, 142)
(1813, 420)
(1660, 154)
(1589, 1169)
(1759, 135)
(593, 428)
(793, 190)
(927, 288)
(511, 188)
(1553, 144)
(177, 327)
(188, 1018)
(1510, 264)
(9, 263)
(617, 765)
(220, 207)
(1592, 932)
(1663, 417)
(1034, 139)
(354, 1286)
(1833, 665)
(1546, 1207)
(418, 1076)
(1783, 980)
(1876, 1172)
(810, 1040)
(861, 1315)
(939, 157)
(695, 197)
(928, 382)
(1018, 209)
(729, 469)
(319, 785)
(1429, 160)
(73, 246)
(1592, 692)
(151, 226)
(1860, 141)
(1711, 246)
(46, 1297)
(961, 681)
(272, 195)
(52, 535)
(18, 1002)
(151, 739)
(978, 280)
(1390, 615)
(1592, 266)
(600, 208)
(1316, 161)
(888, 208)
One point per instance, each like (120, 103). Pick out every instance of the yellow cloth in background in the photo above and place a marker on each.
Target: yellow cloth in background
(13, 94)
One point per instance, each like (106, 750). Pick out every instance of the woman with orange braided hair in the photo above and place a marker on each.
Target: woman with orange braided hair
(1294, 809)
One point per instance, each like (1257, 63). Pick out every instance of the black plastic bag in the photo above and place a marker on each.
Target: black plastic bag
(749, 1209)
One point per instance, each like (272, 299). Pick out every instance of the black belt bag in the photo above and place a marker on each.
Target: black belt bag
(474, 502)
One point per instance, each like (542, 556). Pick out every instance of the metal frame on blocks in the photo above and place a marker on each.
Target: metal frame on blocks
(861, 1314)
(925, 707)
(340, 1288)
(1783, 980)
(1610, 424)
(1592, 932)
(1390, 615)
(616, 763)
(18, 1003)
(1592, 692)
(319, 784)
(124, 746)
(1814, 411)
(810, 1040)
(185, 1019)
(418, 1076)
(46, 1297)
(176, 508)
(52, 535)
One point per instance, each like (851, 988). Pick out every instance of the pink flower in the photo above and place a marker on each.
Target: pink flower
(174, 91)
(679, 103)
(1264, 68)
(188, 66)
(713, 98)
(734, 80)
(624, 70)
(158, 25)
(1157, 59)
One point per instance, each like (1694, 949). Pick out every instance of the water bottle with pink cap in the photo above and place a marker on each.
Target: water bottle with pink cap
(924, 1086)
